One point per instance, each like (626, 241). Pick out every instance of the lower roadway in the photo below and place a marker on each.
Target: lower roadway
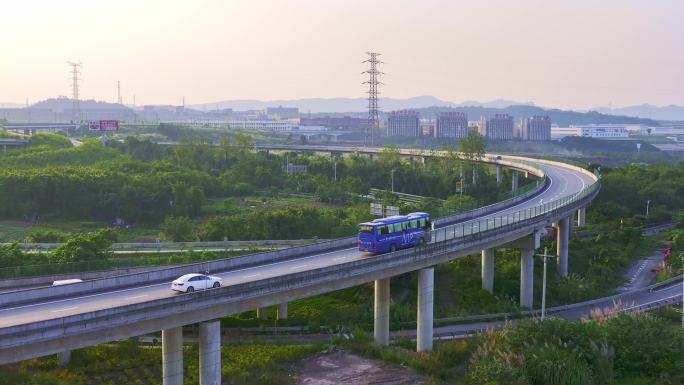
(563, 182)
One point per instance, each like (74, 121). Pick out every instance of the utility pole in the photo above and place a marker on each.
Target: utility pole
(392, 173)
(546, 257)
(118, 92)
(648, 203)
(75, 78)
(373, 83)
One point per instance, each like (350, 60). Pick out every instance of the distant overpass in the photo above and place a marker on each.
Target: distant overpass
(6, 143)
(34, 127)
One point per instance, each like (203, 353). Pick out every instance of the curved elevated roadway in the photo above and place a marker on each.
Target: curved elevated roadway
(44, 321)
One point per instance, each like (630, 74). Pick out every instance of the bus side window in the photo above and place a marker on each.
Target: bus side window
(382, 230)
(414, 224)
(422, 222)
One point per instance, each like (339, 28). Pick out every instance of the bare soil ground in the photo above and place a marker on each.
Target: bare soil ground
(343, 368)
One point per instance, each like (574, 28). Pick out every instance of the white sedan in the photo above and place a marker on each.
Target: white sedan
(191, 282)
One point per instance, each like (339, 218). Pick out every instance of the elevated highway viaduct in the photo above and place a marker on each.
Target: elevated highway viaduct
(42, 321)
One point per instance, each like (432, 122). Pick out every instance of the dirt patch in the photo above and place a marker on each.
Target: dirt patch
(343, 368)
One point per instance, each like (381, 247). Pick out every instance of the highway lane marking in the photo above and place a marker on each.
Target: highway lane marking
(339, 258)
(65, 309)
(138, 296)
(298, 267)
(252, 275)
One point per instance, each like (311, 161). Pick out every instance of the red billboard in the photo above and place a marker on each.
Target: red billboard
(103, 125)
(109, 125)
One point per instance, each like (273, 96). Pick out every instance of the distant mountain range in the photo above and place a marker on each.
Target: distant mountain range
(646, 111)
(341, 105)
(11, 105)
(66, 104)
(429, 106)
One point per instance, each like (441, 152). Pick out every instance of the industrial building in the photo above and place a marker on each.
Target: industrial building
(499, 127)
(536, 128)
(341, 122)
(403, 123)
(451, 124)
(597, 131)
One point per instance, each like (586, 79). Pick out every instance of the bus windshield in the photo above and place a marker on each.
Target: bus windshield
(366, 229)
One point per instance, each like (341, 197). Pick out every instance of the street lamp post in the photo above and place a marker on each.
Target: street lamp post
(392, 173)
(648, 203)
(546, 257)
(335, 170)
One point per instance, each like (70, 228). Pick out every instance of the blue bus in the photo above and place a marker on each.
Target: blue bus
(394, 233)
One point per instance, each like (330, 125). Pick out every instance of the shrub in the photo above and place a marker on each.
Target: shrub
(179, 229)
(85, 247)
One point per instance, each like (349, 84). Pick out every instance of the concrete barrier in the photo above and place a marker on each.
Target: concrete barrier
(46, 280)
(168, 274)
(180, 245)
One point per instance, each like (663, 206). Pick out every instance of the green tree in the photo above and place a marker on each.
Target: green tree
(473, 149)
(85, 247)
(389, 156)
(244, 142)
(11, 255)
(179, 229)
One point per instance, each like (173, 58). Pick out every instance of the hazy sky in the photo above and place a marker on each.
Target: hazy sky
(557, 53)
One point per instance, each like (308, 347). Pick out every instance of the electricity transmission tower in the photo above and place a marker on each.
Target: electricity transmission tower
(75, 78)
(373, 83)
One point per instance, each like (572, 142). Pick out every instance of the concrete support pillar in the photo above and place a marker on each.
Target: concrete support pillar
(562, 238)
(488, 270)
(210, 353)
(262, 313)
(172, 356)
(282, 310)
(526, 278)
(371, 156)
(582, 216)
(499, 174)
(64, 357)
(426, 282)
(381, 314)
(514, 178)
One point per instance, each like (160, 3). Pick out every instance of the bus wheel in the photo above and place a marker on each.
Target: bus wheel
(393, 248)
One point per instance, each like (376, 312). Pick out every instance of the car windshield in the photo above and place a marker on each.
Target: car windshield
(366, 229)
